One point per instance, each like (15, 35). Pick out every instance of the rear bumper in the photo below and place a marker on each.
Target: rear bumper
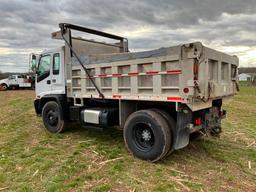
(209, 120)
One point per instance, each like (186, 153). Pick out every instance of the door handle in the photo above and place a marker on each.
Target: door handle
(53, 80)
(48, 81)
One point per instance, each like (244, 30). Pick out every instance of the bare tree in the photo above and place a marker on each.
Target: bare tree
(1, 75)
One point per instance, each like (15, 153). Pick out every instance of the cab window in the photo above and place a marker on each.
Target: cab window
(44, 67)
(56, 63)
(11, 77)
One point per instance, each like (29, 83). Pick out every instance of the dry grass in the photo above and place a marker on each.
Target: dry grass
(84, 160)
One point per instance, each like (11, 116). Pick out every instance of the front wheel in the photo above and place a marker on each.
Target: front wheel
(52, 116)
(3, 87)
(147, 135)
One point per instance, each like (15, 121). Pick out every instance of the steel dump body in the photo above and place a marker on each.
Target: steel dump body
(158, 75)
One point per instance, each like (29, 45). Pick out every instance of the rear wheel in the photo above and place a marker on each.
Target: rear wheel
(13, 87)
(147, 135)
(52, 116)
(172, 125)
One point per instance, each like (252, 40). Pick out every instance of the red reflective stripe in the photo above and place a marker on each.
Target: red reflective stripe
(175, 99)
(116, 74)
(136, 73)
(102, 75)
(131, 74)
(152, 73)
(116, 96)
(174, 72)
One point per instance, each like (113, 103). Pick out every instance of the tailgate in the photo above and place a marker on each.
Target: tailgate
(218, 74)
(211, 74)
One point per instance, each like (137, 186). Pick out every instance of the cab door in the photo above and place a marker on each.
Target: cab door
(12, 80)
(58, 82)
(43, 77)
(20, 79)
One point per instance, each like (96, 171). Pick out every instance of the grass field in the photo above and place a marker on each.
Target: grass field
(85, 160)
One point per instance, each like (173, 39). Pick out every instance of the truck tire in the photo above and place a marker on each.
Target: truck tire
(52, 116)
(14, 87)
(147, 135)
(3, 87)
(172, 125)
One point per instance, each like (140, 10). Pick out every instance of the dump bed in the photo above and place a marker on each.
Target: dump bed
(190, 73)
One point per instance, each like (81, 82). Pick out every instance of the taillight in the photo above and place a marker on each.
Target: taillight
(195, 71)
(198, 121)
(186, 90)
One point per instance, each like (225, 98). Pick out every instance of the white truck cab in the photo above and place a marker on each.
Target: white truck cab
(50, 73)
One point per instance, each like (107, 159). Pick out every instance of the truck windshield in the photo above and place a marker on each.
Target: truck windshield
(44, 65)
(11, 77)
(43, 70)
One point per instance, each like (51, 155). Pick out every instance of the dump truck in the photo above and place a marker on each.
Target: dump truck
(160, 99)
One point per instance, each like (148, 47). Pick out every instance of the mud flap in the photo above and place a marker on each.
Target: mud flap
(182, 132)
(36, 106)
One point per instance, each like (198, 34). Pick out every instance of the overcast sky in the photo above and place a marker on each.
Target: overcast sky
(226, 25)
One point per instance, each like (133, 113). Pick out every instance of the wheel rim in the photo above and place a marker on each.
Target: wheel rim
(3, 87)
(52, 117)
(143, 137)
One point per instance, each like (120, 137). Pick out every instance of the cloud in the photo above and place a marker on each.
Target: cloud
(224, 25)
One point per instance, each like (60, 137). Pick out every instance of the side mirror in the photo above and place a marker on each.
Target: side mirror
(33, 62)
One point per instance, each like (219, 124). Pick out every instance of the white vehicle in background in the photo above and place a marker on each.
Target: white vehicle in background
(17, 81)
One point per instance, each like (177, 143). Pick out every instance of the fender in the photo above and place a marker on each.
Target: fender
(61, 99)
(4, 81)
